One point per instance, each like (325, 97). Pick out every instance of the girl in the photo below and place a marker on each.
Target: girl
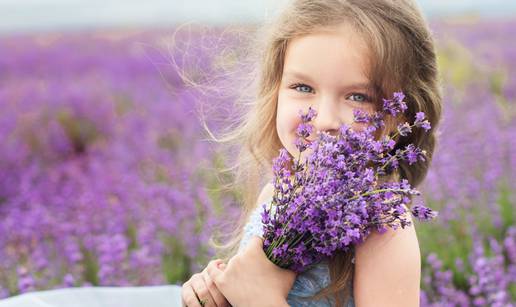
(336, 56)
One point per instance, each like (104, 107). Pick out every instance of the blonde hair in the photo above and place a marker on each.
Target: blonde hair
(403, 58)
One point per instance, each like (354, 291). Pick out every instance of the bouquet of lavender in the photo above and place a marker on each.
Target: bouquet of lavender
(334, 198)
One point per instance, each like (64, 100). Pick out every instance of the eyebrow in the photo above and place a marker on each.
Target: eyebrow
(296, 74)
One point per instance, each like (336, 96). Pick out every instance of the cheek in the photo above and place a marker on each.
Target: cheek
(287, 120)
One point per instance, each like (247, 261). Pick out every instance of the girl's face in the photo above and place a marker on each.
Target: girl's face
(325, 70)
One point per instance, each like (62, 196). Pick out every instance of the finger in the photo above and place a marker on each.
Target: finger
(217, 295)
(216, 262)
(183, 294)
(188, 297)
(197, 297)
(216, 274)
(201, 289)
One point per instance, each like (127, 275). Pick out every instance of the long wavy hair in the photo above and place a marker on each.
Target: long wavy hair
(403, 59)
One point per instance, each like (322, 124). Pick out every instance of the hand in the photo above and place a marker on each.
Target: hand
(251, 279)
(201, 287)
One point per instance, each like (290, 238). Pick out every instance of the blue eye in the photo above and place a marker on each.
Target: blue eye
(359, 97)
(303, 86)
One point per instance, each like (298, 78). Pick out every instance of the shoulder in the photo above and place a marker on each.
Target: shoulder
(265, 194)
(388, 268)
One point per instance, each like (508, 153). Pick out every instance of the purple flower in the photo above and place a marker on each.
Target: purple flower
(308, 116)
(304, 130)
(423, 213)
(404, 129)
(396, 104)
(361, 116)
(420, 116)
(412, 154)
(421, 122)
(334, 198)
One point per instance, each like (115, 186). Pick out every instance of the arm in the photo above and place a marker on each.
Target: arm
(388, 268)
(265, 194)
(250, 278)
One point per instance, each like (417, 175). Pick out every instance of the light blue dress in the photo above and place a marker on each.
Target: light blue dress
(306, 283)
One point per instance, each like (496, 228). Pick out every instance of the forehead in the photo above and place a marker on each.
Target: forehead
(336, 53)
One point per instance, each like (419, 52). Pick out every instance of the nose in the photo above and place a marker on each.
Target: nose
(328, 117)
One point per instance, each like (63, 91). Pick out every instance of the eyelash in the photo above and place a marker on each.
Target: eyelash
(366, 97)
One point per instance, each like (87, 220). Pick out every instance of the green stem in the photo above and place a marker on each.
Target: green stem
(375, 192)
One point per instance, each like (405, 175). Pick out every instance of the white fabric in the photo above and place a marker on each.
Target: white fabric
(152, 296)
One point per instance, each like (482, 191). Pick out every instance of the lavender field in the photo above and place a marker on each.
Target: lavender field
(106, 177)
